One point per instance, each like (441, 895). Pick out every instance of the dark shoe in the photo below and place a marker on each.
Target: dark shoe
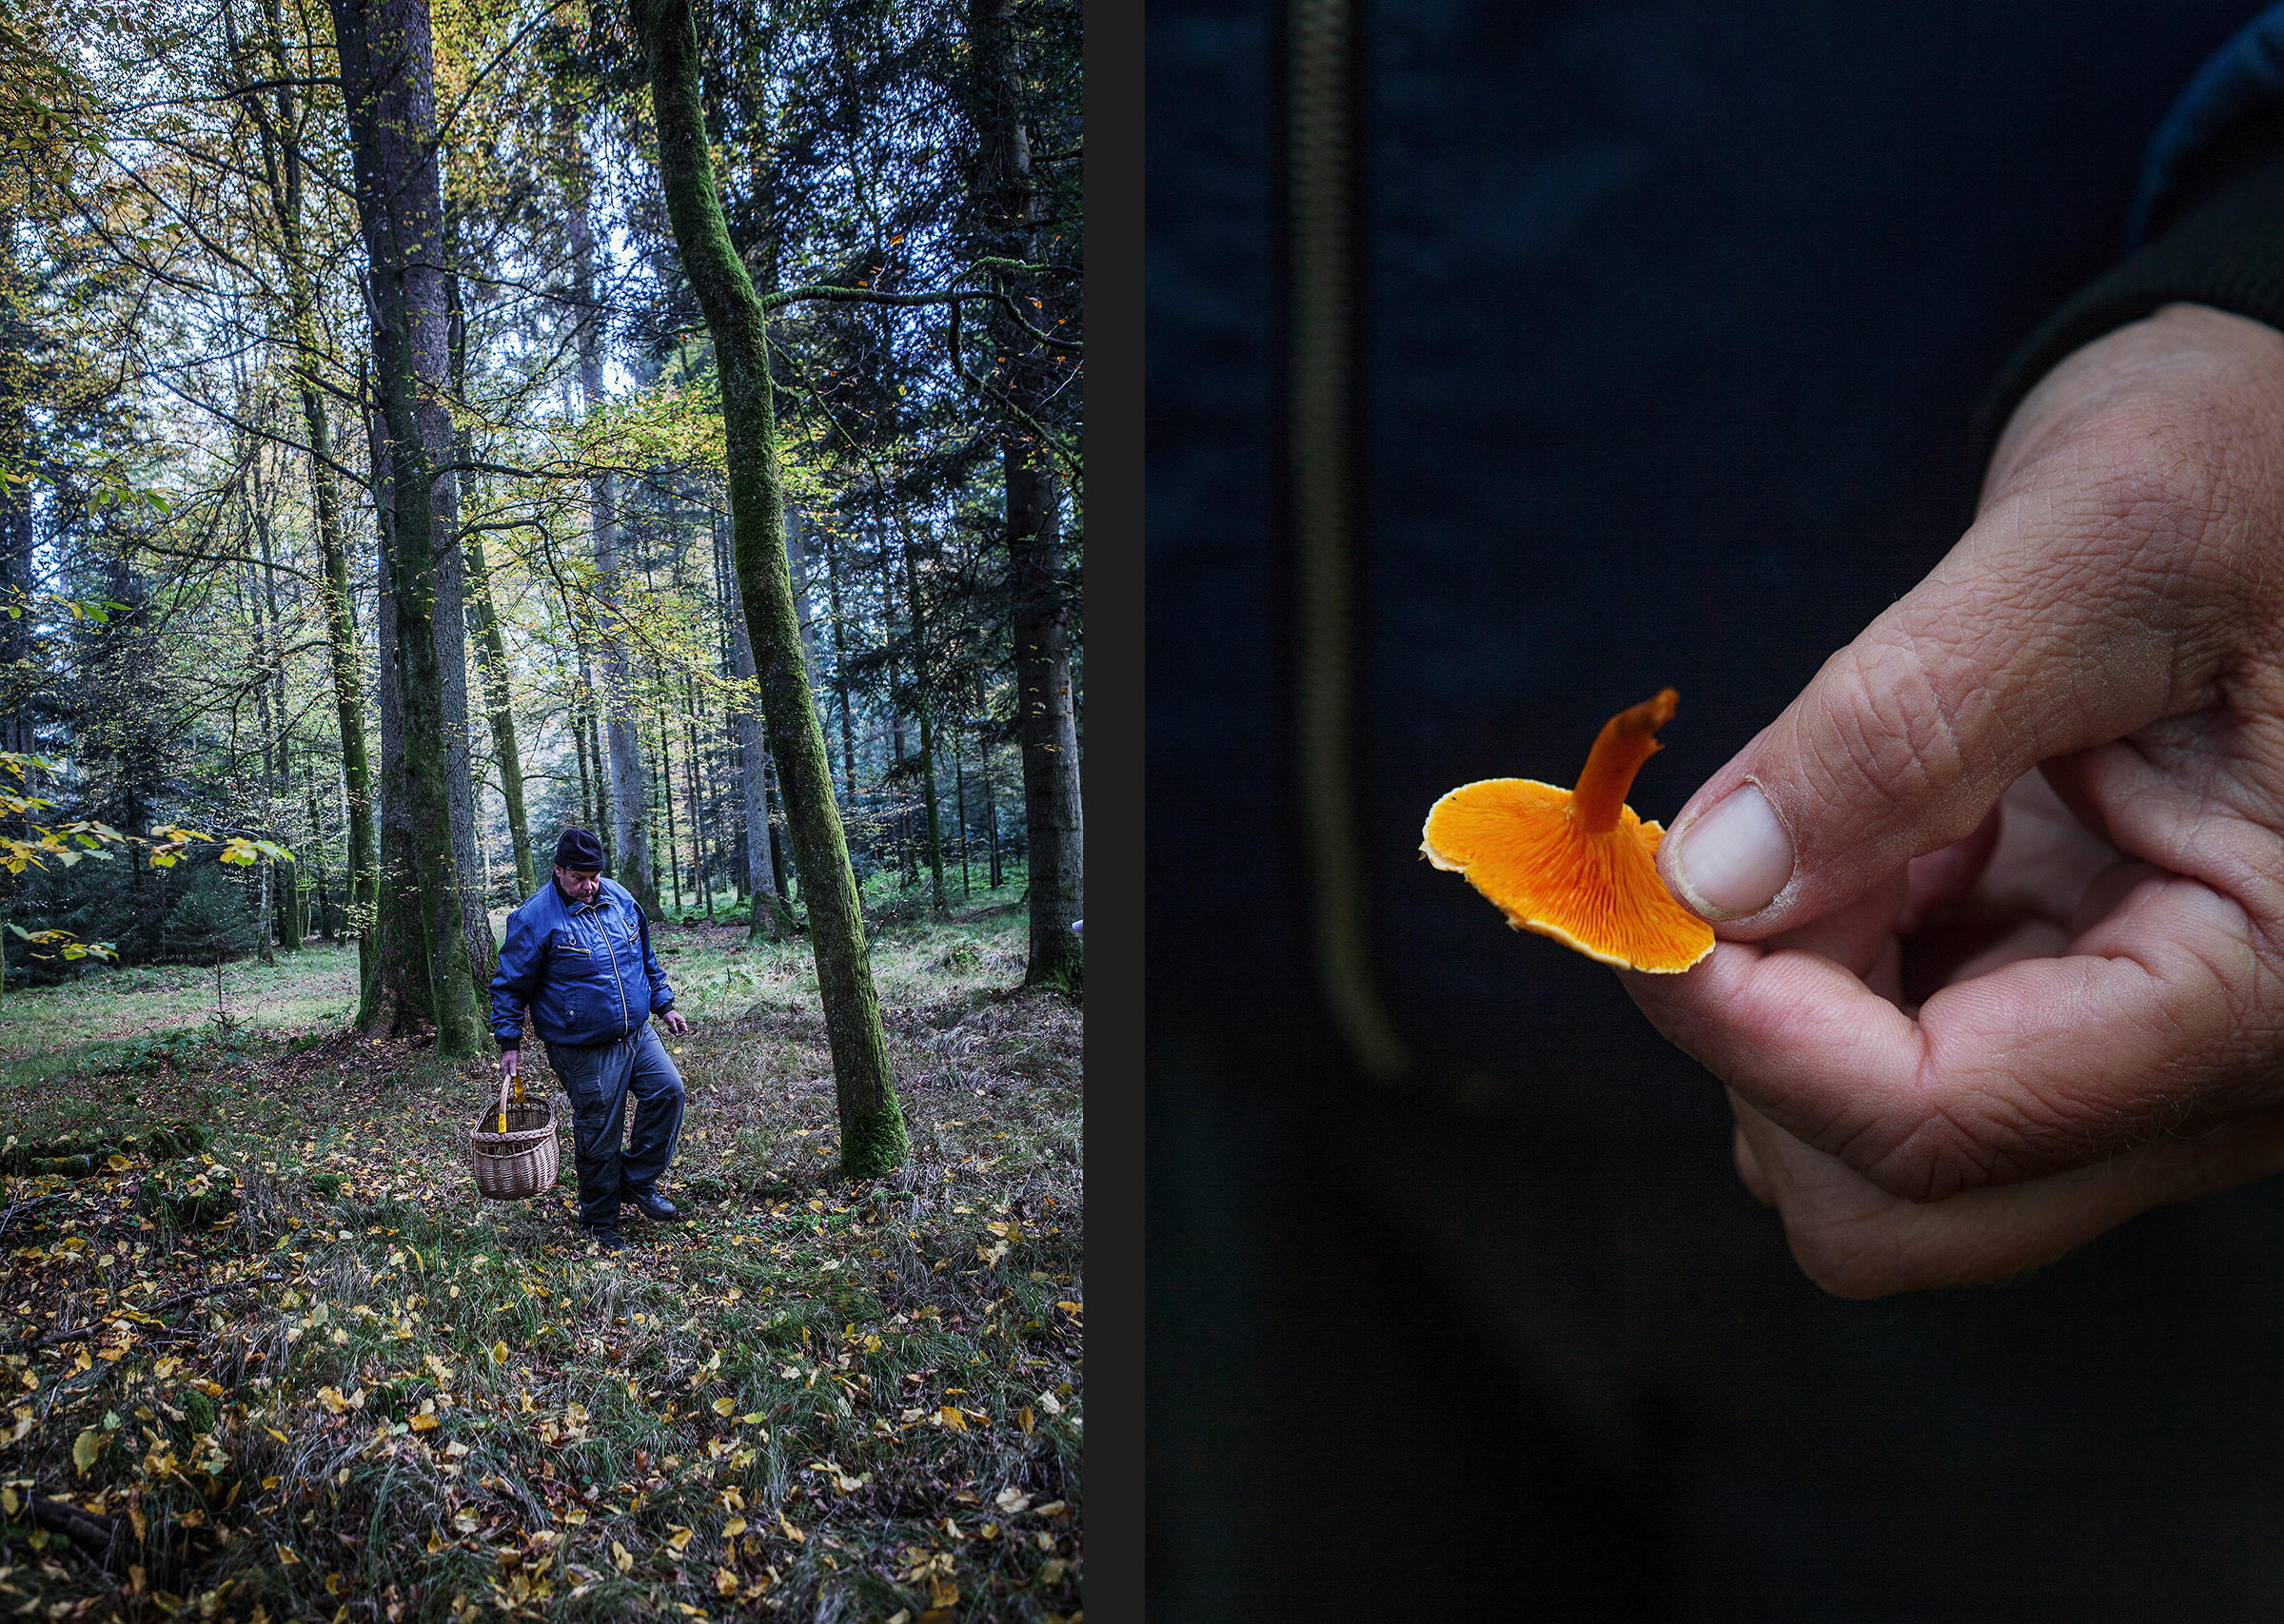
(656, 1208)
(609, 1240)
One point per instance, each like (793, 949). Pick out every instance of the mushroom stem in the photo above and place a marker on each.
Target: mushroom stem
(1626, 740)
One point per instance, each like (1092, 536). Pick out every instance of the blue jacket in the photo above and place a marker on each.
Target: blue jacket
(585, 969)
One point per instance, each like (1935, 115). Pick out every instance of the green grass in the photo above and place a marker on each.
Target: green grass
(117, 1011)
(444, 1405)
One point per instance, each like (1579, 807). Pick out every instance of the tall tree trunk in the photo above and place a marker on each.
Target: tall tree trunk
(871, 1123)
(636, 868)
(387, 83)
(991, 797)
(923, 703)
(449, 626)
(397, 996)
(491, 650)
(317, 851)
(1049, 729)
(907, 870)
(492, 658)
(959, 787)
(767, 893)
(699, 821)
(277, 747)
(282, 158)
(674, 855)
(841, 670)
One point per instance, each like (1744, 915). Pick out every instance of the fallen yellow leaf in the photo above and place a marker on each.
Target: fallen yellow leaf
(952, 1418)
(426, 1423)
(86, 1449)
(730, 1530)
(679, 1539)
(723, 1406)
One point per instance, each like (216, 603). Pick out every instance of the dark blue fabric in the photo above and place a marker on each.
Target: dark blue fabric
(586, 970)
(2241, 80)
(598, 1080)
(1676, 318)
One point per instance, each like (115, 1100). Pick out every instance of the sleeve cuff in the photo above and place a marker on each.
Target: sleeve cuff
(2228, 254)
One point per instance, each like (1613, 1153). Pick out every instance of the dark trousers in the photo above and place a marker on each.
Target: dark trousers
(599, 1080)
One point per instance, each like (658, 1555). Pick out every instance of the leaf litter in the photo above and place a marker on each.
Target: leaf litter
(304, 1372)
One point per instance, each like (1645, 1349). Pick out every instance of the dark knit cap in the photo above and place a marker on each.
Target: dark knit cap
(577, 849)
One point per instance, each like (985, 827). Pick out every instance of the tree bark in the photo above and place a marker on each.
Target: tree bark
(276, 721)
(873, 1138)
(841, 670)
(388, 67)
(924, 703)
(636, 866)
(1049, 730)
(762, 886)
(492, 655)
(283, 168)
(396, 997)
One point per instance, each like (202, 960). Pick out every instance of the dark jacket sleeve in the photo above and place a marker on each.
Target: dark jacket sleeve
(522, 962)
(661, 995)
(2207, 225)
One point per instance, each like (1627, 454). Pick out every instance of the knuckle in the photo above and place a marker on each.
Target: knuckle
(1854, 1257)
(1886, 722)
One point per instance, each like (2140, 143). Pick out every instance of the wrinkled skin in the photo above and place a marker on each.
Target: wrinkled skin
(2026, 978)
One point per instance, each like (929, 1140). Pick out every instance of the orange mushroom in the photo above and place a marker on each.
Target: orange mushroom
(1575, 864)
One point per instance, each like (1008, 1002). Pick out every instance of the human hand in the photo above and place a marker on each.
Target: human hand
(510, 1060)
(674, 1023)
(1973, 1015)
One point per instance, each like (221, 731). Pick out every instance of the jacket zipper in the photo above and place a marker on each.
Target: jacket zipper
(1320, 374)
(625, 1015)
(594, 918)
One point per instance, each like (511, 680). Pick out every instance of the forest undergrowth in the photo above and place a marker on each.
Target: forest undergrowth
(271, 1356)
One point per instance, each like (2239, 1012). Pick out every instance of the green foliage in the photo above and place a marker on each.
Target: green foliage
(211, 918)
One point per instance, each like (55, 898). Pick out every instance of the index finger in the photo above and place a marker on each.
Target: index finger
(2142, 1024)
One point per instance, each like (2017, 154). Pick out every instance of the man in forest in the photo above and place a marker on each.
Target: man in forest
(578, 954)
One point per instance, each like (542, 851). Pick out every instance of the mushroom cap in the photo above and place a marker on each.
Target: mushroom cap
(1516, 842)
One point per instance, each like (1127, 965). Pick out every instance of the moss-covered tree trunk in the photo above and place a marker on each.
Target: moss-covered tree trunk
(387, 69)
(872, 1121)
(396, 997)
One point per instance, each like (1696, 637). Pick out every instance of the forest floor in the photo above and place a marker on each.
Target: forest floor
(364, 1393)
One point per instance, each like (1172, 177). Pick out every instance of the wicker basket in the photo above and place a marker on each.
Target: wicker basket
(523, 1160)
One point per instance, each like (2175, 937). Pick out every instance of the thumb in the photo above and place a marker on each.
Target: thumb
(2065, 618)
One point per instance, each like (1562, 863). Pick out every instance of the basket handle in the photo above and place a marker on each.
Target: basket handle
(503, 1103)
